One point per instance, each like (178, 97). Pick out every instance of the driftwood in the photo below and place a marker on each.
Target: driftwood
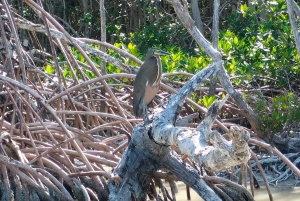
(287, 144)
(150, 149)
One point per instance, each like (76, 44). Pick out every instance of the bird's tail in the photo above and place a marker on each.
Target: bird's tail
(137, 110)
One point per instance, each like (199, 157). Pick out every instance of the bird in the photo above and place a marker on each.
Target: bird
(147, 81)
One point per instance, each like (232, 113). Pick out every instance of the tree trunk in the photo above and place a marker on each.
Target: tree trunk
(291, 6)
(215, 40)
(196, 15)
(103, 48)
(85, 24)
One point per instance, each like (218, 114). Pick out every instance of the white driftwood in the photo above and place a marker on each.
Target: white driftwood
(221, 153)
(149, 148)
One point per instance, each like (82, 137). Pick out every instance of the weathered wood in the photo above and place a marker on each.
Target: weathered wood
(196, 15)
(290, 8)
(215, 40)
(149, 150)
(143, 157)
(189, 176)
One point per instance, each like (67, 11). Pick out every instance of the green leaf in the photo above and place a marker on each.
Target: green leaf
(49, 69)
(205, 101)
(243, 7)
(81, 58)
(67, 74)
(211, 100)
(132, 49)
(88, 16)
(235, 40)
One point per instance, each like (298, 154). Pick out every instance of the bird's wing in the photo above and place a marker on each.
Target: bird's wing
(138, 94)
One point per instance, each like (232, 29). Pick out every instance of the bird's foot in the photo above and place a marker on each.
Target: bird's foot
(146, 120)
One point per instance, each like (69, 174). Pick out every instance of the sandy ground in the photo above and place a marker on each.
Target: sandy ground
(285, 191)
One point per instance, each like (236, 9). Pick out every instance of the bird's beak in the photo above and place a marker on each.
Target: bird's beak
(160, 53)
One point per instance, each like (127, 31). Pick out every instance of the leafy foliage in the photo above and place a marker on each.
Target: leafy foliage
(262, 52)
(257, 51)
(264, 48)
(284, 109)
(207, 101)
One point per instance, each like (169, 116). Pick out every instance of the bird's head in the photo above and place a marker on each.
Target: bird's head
(154, 51)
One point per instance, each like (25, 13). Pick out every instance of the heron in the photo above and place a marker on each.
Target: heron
(147, 82)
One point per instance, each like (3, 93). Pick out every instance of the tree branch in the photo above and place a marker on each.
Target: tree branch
(187, 21)
(290, 8)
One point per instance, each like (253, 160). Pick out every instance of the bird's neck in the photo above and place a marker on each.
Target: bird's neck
(159, 72)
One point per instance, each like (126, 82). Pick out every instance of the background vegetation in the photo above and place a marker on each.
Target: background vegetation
(255, 39)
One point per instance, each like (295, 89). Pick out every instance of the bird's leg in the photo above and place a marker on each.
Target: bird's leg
(146, 118)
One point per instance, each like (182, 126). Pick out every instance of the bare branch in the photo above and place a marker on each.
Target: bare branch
(290, 7)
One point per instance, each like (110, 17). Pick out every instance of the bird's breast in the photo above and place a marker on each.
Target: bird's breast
(150, 93)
